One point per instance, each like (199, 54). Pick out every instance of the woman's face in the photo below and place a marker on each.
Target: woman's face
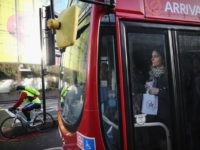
(156, 59)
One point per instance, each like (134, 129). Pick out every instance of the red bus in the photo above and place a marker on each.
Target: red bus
(107, 68)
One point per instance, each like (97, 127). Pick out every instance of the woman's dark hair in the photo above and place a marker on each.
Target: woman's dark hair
(159, 52)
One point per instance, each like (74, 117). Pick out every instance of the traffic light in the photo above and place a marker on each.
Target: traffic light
(47, 36)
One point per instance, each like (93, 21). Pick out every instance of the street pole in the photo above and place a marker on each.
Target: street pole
(43, 49)
(43, 92)
(47, 46)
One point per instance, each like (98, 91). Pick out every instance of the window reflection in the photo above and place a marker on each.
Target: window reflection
(74, 78)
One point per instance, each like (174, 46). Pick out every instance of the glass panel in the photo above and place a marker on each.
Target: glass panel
(108, 90)
(74, 77)
(149, 85)
(189, 46)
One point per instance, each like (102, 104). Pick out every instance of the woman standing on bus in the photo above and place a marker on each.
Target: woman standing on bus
(159, 87)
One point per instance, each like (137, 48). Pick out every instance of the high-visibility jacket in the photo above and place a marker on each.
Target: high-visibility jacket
(31, 98)
(27, 97)
(63, 93)
(32, 90)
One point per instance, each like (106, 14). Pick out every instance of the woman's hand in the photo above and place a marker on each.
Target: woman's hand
(153, 91)
(148, 84)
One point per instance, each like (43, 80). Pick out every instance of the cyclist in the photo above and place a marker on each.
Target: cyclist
(63, 94)
(30, 96)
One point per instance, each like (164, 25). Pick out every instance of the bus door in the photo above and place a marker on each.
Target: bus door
(160, 68)
(149, 87)
(188, 47)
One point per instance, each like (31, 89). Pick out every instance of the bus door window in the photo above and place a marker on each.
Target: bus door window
(104, 85)
(108, 87)
(189, 47)
(147, 52)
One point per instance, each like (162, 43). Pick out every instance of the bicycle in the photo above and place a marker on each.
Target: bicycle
(14, 126)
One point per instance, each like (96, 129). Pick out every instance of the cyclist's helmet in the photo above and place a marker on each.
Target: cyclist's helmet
(20, 87)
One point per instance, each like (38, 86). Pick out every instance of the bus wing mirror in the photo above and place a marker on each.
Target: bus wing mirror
(66, 26)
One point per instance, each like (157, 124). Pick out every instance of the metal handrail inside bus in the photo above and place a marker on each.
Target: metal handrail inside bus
(110, 122)
(152, 124)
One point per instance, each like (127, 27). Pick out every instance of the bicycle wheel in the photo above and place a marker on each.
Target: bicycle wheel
(11, 127)
(41, 125)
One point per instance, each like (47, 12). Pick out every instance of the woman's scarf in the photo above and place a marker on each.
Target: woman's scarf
(156, 72)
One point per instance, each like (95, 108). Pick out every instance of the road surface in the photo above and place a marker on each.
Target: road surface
(35, 140)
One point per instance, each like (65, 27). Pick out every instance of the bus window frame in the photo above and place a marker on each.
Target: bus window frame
(173, 67)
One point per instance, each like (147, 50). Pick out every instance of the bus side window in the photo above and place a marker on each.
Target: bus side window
(107, 91)
(104, 86)
(108, 88)
(196, 103)
(189, 47)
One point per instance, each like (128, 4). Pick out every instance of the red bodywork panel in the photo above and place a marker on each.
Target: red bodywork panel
(183, 11)
(90, 122)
